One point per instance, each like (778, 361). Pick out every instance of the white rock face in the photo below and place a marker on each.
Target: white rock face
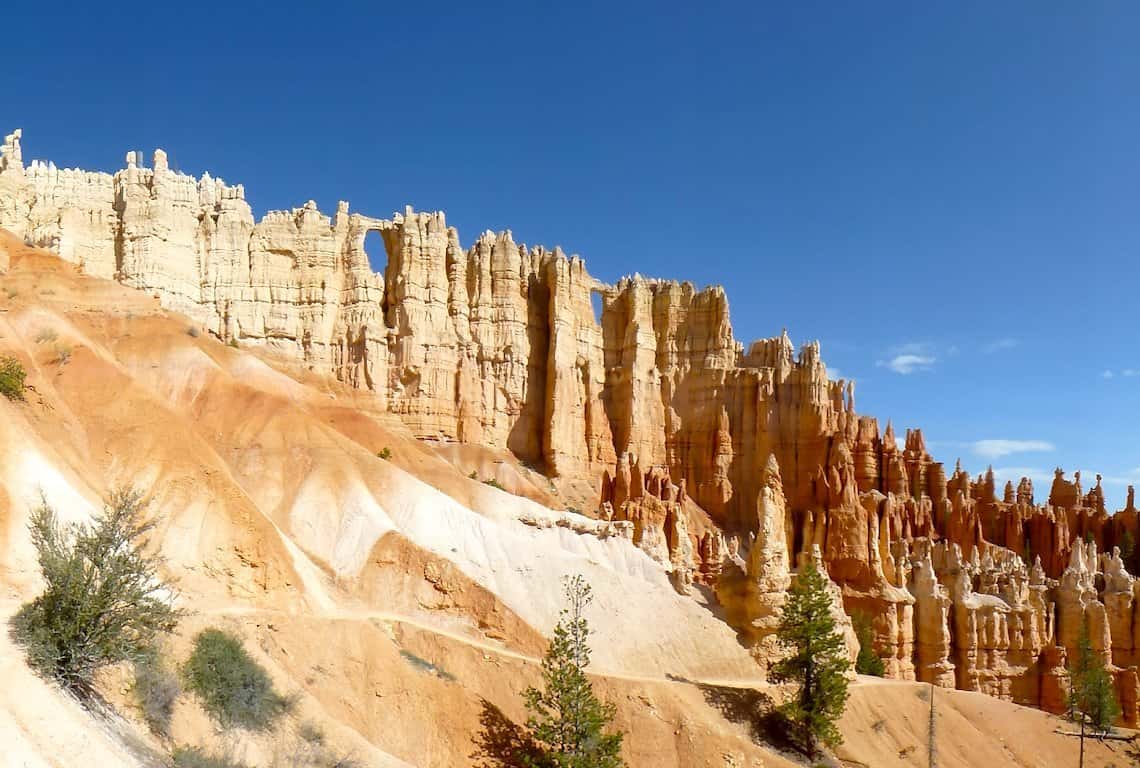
(495, 345)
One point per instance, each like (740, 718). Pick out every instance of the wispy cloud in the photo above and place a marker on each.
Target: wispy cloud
(906, 364)
(1007, 342)
(834, 373)
(1130, 372)
(1107, 374)
(996, 448)
(1038, 475)
(909, 357)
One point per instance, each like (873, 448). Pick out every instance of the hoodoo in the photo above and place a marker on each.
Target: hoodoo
(729, 465)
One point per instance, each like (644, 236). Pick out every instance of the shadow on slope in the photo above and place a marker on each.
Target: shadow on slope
(756, 712)
(502, 742)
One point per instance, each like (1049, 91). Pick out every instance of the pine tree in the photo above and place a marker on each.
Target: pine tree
(1092, 698)
(868, 662)
(568, 722)
(1128, 551)
(818, 661)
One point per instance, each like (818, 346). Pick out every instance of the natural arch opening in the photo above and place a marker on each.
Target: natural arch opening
(596, 302)
(376, 252)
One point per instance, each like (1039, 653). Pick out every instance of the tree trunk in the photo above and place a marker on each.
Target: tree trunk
(1082, 764)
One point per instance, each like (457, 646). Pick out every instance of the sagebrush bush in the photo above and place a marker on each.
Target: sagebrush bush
(12, 376)
(156, 689)
(104, 600)
(385, 453)
(234, 688)
(311, 733)
(196, 757)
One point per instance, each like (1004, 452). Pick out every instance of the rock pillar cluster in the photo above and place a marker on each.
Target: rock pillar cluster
(732, 465)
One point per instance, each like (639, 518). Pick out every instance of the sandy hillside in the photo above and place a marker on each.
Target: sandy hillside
(404, 603)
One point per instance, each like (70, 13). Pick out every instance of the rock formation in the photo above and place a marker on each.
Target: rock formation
(730, 466)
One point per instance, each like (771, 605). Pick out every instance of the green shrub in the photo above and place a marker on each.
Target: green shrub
(196, 757)
(234, 688)
(232, 343)
(494, 484)
(867, 662)
(12, 376)
(311, 733)
(155, 690)
(104, 601)
(473, 476)
(192, 332)
(385, 454)
(45, 335)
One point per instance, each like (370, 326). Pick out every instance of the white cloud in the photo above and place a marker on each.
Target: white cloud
(834, 374)
(1106, 375)
(1130, 372)
(908, 363)
(994, 449)
(909, 357)
(901, 443)
(999, 344)
(1038, 475)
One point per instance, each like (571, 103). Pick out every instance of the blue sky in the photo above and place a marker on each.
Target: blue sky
(947, 195)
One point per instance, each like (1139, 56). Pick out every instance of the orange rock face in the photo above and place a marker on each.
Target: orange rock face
(731, 466)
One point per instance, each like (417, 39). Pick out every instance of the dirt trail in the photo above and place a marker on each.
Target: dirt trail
(370, 615)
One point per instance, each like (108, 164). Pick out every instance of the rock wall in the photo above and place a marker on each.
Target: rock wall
(729, 466)
(494, 344)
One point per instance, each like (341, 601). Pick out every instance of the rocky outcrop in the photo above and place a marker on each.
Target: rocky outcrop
(496, 343)
(730, 465)
(753, 585)
(754, 582)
